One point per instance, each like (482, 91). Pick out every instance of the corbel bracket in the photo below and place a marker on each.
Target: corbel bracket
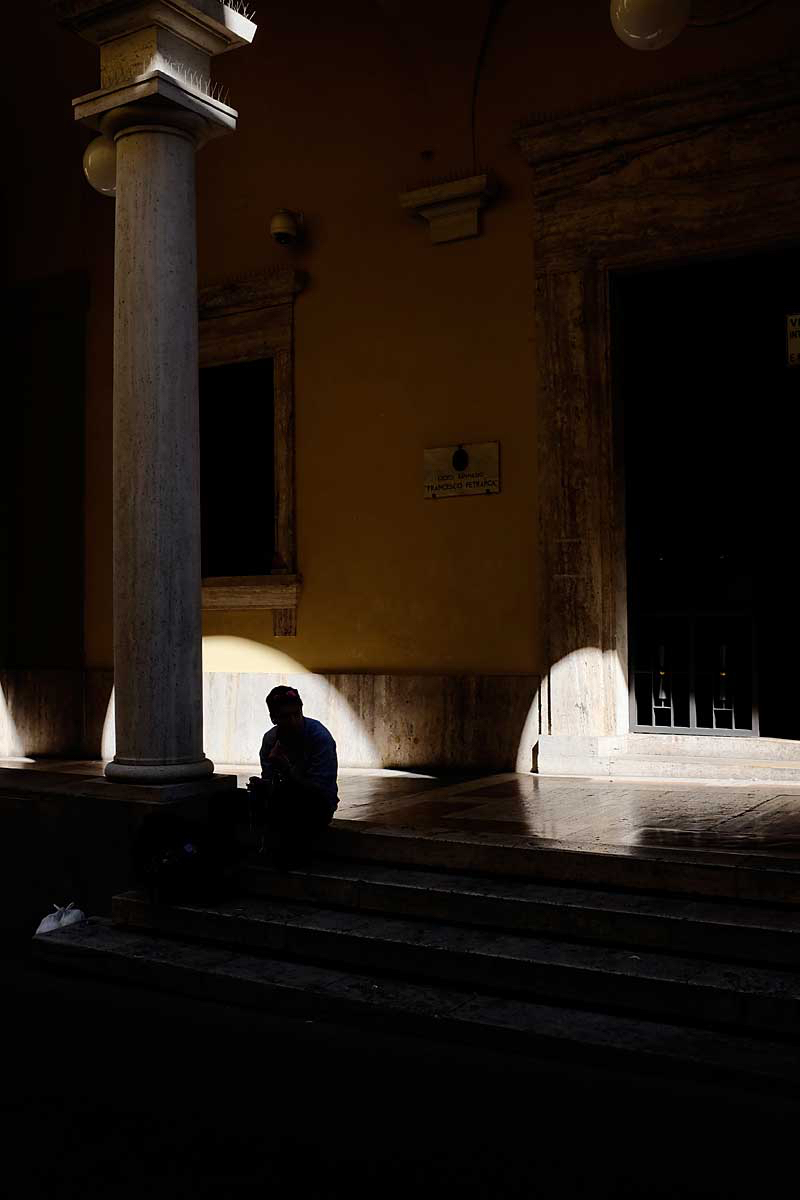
(451, 209)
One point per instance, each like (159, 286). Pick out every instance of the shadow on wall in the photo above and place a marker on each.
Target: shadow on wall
(389, 720)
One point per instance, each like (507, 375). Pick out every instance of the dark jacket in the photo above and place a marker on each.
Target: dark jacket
(314, 763)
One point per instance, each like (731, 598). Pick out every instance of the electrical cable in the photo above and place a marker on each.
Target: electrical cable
(743, 11)
(495, 10)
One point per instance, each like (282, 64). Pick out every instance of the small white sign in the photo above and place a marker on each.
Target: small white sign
(469, 469)
(793, 339)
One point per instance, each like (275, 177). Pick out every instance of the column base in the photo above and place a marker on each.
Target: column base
(133, 772)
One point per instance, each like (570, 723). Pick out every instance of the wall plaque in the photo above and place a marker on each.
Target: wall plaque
(468, 469)
(793, 339)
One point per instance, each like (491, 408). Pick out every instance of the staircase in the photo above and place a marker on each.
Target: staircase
(658, 960)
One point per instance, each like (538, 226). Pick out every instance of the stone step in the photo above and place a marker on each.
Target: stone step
(714, 747)
(712, 928)
(688, 872)
(690, 767)
(510, 1026)
(659, 985)
(677, 757)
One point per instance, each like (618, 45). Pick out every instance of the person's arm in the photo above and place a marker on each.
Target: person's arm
(267, 768)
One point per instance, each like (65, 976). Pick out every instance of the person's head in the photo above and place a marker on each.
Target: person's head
(286, 711)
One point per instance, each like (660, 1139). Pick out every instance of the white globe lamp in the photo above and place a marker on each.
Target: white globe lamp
(100, 165)
(649, 24)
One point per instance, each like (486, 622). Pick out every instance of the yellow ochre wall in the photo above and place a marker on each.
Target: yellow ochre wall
(400, 344)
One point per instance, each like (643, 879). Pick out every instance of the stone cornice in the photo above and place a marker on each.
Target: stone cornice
(552, 138)
(215, 25)
(161, 92)
(262, 290)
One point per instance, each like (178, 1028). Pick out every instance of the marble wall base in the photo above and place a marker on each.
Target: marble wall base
(403, 721)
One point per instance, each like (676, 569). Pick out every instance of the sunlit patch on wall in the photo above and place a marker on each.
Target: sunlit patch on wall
(108, 739)
(10, 742)
(238, 673)
(227, 653)
(528, 737)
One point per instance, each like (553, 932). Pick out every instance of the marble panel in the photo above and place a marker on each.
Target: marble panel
(409, 721)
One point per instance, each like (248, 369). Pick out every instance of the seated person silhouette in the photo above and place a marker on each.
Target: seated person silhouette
(298, 779)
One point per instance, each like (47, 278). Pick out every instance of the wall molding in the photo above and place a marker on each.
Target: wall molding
(251, 592)
(262, 289)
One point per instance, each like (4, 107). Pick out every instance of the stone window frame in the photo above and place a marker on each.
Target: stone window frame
(704, 171)
(242, 321)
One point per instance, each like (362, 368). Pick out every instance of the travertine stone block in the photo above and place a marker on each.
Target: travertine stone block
(153, 49)
(211, 25)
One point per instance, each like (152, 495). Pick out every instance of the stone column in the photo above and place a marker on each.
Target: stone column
(158, 106)
(157, 600)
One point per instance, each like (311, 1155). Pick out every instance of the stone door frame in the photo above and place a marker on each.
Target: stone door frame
(709, 170)
(240, 321)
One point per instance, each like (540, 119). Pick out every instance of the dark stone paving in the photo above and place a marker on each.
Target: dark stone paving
(110, 1093)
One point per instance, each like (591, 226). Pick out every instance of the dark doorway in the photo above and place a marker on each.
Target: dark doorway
(237, 468)
(710, 415)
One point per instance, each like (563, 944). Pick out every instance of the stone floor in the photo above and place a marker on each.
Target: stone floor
(581, 812)
(747, 819)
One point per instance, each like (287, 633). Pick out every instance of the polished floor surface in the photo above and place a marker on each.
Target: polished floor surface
(578, 811)
(733, 819)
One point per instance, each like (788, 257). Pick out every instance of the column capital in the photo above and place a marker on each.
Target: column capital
(156, 100)
(154, 117)
(158, 53)
(216, 25)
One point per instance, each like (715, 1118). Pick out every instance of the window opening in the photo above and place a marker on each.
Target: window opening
(237, 468)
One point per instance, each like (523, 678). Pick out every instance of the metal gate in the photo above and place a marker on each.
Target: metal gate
(694, 672)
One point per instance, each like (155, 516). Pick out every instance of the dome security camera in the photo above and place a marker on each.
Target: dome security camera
(285, 227)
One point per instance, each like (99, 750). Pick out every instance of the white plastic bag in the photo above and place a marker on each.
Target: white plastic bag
(71, 915)
(61, 917)
(50, 922)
